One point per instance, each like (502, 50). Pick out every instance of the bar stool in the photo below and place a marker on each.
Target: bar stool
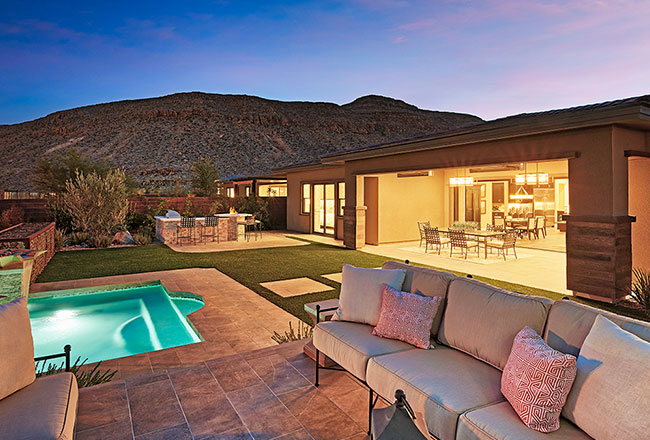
(186, 229)
(213, 223)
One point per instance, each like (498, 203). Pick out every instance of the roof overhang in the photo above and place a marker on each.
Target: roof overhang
(635, 116)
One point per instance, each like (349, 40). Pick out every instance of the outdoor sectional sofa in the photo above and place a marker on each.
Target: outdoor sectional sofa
(457, 385)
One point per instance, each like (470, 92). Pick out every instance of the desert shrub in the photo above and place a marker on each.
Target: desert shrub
(258, 206)
(219, 205)
(640, 289)
(303, 331)
(160, 209)
(137, 222)
(85, 377)
(78, 237)
(11, 217)
(53, 172)
(142, 239)
(98, 204)
(187, 207)
(59, 239)
(205, 177)
(60, 214)
(100, 241)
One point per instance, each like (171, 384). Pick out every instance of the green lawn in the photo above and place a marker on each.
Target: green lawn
(249, 267)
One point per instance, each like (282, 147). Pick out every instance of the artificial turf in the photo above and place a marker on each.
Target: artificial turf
(249, 267)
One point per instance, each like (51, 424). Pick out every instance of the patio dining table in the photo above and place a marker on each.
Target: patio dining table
(515, 222)
(480, 236)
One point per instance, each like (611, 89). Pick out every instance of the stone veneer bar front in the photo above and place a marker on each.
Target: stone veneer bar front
(228, 229)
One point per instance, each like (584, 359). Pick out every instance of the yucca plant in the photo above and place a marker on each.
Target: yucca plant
(640, 289)
(303, 331)
(84, 378)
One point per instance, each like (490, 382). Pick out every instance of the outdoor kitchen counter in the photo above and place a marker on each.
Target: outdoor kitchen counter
(228, 229)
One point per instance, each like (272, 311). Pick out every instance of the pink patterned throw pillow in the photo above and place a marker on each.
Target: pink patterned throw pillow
(536, 381)
(406, 316)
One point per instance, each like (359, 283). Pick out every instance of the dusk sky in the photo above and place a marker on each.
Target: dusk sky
(491, 58)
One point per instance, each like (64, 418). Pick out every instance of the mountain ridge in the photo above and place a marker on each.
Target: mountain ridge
(157, 139)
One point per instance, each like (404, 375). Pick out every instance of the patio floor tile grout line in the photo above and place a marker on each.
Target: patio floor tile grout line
(128, 404)
(187, 422)
(230, 401)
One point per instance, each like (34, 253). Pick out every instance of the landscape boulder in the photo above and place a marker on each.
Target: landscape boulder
(123, 237)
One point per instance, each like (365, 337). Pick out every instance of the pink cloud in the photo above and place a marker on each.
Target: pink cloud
(400, 39)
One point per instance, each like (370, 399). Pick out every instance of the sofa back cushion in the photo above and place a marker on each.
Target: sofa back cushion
(569, 323)
(361, 293)
(428, 282)
(610, 397)
(16, 347)
(482, 320)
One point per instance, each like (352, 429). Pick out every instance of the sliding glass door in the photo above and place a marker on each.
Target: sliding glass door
(324, 203)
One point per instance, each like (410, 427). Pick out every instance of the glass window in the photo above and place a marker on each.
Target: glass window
(230, 192)
(247, 191)
(341, 196)
(272, 190)
(305, 206)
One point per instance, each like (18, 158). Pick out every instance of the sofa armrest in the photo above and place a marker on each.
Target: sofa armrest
(66, 354)
(319, 310)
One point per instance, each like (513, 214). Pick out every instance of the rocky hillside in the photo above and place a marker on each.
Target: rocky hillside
(157, 139)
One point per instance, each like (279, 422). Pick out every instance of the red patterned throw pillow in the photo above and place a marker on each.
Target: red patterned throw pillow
(536, 381)
(406, 316)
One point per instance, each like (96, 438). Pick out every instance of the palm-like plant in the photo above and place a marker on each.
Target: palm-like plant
(640, 289)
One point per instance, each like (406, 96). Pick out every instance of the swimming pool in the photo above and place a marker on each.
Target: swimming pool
(113, 321)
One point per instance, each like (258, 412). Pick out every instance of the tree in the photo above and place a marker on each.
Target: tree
(97, 204)
(52, 173)
(205, 177)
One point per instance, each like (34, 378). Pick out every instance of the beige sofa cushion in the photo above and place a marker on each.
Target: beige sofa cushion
(500, 422)
(351, 344)
(610, 397)
(361, 292)
(427, 282)
(16, 347)
(441, 384)
(483, 320)
(569, 322)
(46, 409)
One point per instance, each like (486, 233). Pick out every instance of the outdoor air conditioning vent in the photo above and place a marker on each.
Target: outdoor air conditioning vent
(415, 174)
(493, 168)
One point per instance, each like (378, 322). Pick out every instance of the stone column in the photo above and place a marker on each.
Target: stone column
(599, 256)
(354, 226)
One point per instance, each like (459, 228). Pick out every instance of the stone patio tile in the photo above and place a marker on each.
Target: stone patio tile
(262, 413)
(218, 349)
(162, 360)
(102, 405)
(188, 377)
(136, 381)
(278, 373)
(323, 419)
(336, 277)
(300, 434)
(120, 430)
(136, 365)
(233, 373)
(180, 432)
(295, 287)
(154, 406)
(207, 409)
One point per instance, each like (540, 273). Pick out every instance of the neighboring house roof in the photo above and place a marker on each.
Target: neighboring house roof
(633, 111)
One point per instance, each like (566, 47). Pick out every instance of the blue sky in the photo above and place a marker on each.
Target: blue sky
(491, 58)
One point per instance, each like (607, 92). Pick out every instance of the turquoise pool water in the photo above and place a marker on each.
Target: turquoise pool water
(112, 323)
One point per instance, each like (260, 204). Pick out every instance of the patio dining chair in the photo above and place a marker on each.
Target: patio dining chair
(541, 226)
(250, 225)
(502, 246)
(186, 229)
(530, 229)
(210, 229)
(458, 239)
(432, 238)
(421, 226)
